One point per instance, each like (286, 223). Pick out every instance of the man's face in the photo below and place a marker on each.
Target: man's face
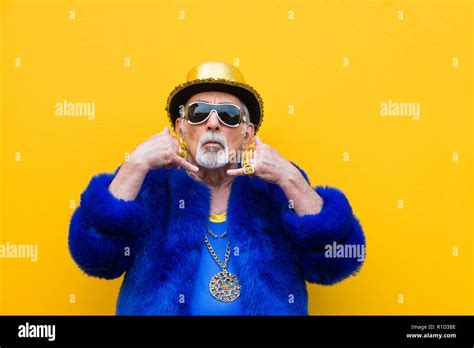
(210, 142)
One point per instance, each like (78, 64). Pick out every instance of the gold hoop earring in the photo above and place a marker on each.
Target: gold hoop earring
(182, 148)
(249, 167)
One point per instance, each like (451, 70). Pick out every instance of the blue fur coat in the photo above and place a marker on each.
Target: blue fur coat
(156, 240)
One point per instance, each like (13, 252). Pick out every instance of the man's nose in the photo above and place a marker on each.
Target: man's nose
(213, 122)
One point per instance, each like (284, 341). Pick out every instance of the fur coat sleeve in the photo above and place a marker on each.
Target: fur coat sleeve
(313, 233)
(104, 231)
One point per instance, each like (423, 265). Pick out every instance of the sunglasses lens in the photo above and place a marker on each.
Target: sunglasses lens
(228, 114)
(198, 112)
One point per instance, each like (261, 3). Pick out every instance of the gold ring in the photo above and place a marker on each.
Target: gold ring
(249, 169)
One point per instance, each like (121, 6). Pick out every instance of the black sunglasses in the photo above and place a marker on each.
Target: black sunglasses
(228, 113)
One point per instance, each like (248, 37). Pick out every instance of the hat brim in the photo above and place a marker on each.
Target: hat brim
(247, 94)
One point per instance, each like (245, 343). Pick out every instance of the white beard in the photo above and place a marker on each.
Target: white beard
(211, 157)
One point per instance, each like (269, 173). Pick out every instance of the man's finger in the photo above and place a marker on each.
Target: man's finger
(236, 172)
(258, 141)
(166, 130)
(181, 162)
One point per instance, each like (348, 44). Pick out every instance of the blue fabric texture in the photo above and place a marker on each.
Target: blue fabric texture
(156, 240)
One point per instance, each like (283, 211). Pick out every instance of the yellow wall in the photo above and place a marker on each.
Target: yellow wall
(293, 58)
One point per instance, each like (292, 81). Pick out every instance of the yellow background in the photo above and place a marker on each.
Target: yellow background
(295, 62)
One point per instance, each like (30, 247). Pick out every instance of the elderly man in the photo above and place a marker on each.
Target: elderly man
(207, 219)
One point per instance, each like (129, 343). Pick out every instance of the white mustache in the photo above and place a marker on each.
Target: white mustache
(214, 137)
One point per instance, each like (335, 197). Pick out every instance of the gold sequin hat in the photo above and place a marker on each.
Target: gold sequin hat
(215, 76)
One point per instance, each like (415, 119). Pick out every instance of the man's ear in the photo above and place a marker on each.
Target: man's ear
(249, 134)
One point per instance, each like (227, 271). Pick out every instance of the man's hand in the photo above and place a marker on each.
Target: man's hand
(269, 164)
(272, 167)
(160, 150)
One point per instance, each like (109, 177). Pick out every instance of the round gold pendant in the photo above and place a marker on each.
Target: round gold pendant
(225, 287)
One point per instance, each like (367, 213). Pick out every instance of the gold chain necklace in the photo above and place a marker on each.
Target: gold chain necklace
(224, 286)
